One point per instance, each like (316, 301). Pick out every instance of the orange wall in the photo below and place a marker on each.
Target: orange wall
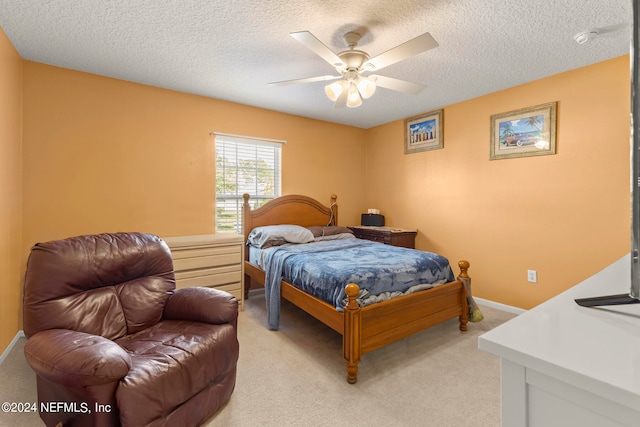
(564, 215)
(10, 190)
(102, 154)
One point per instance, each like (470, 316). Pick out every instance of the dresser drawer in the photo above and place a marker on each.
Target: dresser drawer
(206, 257)
(214, 261)
(388, 235)
(376, 237)
(215, 276)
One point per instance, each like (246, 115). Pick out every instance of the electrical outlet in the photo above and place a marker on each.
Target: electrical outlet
(532, 276)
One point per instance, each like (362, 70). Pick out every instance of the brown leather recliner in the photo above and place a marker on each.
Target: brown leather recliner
(113, 342)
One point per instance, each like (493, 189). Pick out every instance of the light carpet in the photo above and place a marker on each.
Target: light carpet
(296, 377)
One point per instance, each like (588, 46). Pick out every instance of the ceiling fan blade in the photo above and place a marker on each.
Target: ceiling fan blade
(400, 53)
(305, 80)
(311, 42)
(396, 84)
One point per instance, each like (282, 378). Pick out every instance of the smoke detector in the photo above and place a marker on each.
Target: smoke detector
(585, 36)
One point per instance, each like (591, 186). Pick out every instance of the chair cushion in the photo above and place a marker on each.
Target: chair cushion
(106, 284)
(171, 362)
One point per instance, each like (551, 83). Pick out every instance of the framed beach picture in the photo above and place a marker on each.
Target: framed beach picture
(423, 132)
(526, 132)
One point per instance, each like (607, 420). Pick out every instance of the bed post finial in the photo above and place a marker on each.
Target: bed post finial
(352, 291)
(464, 266)
(246, 216)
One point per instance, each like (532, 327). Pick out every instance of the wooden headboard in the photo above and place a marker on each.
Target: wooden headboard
(291, 209)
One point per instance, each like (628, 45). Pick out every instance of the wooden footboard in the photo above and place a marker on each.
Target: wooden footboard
(368, 328)
(377, 325)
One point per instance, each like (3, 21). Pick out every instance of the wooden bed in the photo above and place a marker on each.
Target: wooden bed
(362, 329)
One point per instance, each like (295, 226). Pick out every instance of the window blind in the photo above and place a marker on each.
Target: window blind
(244, 165)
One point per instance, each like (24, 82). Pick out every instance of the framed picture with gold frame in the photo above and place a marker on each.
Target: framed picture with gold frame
(423, 132)
(525, 132)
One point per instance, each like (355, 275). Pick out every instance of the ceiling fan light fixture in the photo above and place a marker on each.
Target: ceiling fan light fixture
(366, 87)
(333, 90)
(353, 97)
(352, 88)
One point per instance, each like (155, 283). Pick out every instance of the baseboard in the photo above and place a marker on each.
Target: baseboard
(13, 342)
(499, 306)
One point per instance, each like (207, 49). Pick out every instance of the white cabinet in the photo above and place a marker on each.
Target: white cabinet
(212, 260)
(563, 365)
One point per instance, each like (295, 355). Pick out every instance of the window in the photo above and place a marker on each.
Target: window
(244, 165)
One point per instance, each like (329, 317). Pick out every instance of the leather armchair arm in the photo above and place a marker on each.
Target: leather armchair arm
(76, 359)
(200, 304)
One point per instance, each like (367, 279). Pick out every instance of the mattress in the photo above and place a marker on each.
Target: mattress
(323, 269)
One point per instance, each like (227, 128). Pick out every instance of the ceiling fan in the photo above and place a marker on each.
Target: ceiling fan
(352, 64)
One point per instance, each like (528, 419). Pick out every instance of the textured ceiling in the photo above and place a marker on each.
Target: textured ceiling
(231, 49)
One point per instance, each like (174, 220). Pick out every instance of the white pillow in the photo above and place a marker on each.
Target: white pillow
(273, 235)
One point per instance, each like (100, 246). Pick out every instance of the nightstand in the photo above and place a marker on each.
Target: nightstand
(395, 236)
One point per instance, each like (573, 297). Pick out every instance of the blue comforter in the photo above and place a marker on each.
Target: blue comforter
(323, 269)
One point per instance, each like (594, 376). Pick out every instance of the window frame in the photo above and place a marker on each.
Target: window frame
(244, 149)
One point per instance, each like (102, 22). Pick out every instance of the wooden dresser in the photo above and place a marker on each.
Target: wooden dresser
(212, 260)
(388, 235)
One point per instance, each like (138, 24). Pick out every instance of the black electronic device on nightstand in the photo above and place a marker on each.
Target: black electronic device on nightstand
(375, 220)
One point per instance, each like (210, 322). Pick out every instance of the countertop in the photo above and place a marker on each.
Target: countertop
(597, 349)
